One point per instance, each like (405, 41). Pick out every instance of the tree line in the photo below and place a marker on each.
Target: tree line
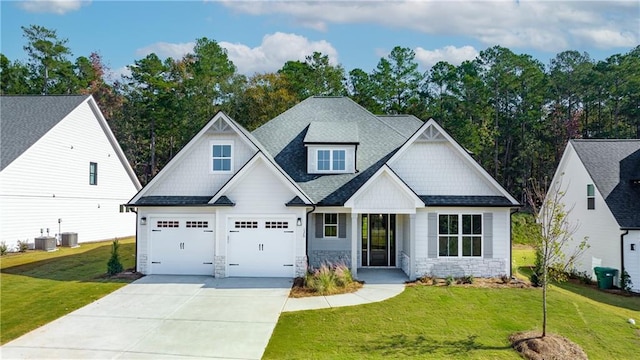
(512, 112)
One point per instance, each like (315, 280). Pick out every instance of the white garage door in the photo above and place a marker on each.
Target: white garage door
(182, 245)
(261, 247)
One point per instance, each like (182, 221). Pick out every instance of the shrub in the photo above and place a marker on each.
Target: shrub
(114, 266)
(449, 280)
(3, 248)
(625, 281)
(468, 279)
(22, 246)
(582, 276)
(343, 275)
(524, 228)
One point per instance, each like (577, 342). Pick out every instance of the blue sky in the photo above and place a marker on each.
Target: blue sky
(260, 36)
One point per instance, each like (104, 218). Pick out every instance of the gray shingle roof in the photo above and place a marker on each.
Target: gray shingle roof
(613, 165)
(332, 132)
(173, 201)
(462, 200)
(283, 137)
(406, 125)
(25, 119)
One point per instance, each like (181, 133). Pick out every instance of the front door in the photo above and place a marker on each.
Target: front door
(378, 240)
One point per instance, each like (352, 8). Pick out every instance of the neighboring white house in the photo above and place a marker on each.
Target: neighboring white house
(326, 181)
(601, 180)
(61, 171)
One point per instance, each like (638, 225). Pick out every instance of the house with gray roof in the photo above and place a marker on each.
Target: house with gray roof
(324, 182)
(601, 181)
(61, 170)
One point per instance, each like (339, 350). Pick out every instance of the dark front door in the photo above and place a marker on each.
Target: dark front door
(378, 240)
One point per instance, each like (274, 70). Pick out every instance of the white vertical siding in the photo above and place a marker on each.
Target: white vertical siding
(632, 257)
(51, 181)
(435, 168)
(192, 175)
(598, 225)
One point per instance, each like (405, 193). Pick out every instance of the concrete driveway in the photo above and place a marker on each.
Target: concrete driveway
(164, 317)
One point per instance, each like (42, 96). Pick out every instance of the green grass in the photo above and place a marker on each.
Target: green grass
(38, 287)
(460, 323)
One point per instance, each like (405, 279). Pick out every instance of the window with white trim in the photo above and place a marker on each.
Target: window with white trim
(591, 197)
(93, 173)
(331, 160)
(460, 235)
(331, 225)
(222, 157)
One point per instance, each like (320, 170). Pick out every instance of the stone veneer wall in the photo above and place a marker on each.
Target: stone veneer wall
(301, 266)
(142, 264)
(460, 267)
(405, 262)
(318, 257)
(220, 263)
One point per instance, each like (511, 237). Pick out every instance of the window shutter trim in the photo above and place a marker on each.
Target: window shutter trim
(342, 226)
(432, 236)
(319, 226)
(487, 229)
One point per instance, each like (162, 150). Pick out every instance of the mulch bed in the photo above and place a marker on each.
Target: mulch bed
(477, 283)
(128, 274)
(298, 290)
(551, 347)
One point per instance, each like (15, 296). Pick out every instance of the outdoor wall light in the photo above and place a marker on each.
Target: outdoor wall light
(299, 222)
(143, 221)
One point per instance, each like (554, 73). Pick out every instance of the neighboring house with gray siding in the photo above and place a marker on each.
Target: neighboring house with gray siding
(61, 170)
(325, 181)
(601, 182)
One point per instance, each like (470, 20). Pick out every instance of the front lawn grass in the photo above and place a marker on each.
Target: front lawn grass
(428, 322)
(38, 287)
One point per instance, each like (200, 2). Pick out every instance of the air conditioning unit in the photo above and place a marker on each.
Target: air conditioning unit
(70, 239)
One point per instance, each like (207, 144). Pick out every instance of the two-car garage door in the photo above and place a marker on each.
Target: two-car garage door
(256, 246)
(182, 245)
(260, 247)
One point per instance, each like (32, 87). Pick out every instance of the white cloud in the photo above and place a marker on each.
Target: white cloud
(274, 51)
(537, 24)
(451, 54)
(165, 49)
(117, 74)
(59, 7)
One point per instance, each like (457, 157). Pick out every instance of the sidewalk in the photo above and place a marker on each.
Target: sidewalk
(379, 285)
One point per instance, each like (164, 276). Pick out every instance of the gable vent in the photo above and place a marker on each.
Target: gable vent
(431, 134)
(221, 126)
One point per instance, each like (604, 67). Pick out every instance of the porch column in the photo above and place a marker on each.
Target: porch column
(354, 245)
(412, 246)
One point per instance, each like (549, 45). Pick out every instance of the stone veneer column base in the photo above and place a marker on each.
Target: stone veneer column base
(460, 267)
(220, 264)
(405, 264)
(301, 266)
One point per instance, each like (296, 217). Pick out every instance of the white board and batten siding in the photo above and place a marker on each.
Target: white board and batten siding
(598, 225)
(50, 181)
(632, 257)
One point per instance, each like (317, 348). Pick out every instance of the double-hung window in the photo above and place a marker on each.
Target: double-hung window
(93, 173)
(330, 225)
(222, 157)
(455, 240)
(331, 160)
(591, 197)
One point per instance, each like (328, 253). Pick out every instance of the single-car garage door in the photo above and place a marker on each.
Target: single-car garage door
(261, 247)
(182, 245)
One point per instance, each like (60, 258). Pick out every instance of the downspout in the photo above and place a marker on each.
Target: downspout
(306, 247)
(511, 241)
(622, 252)
(135, 261)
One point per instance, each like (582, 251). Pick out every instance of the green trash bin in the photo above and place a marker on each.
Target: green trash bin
(605, 276)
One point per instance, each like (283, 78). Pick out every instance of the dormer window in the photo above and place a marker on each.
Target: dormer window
(331, 147)
(331, 160)
(222, 157)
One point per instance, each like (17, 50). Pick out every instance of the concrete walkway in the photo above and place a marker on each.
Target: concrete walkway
(180, 317)
(379, 285)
